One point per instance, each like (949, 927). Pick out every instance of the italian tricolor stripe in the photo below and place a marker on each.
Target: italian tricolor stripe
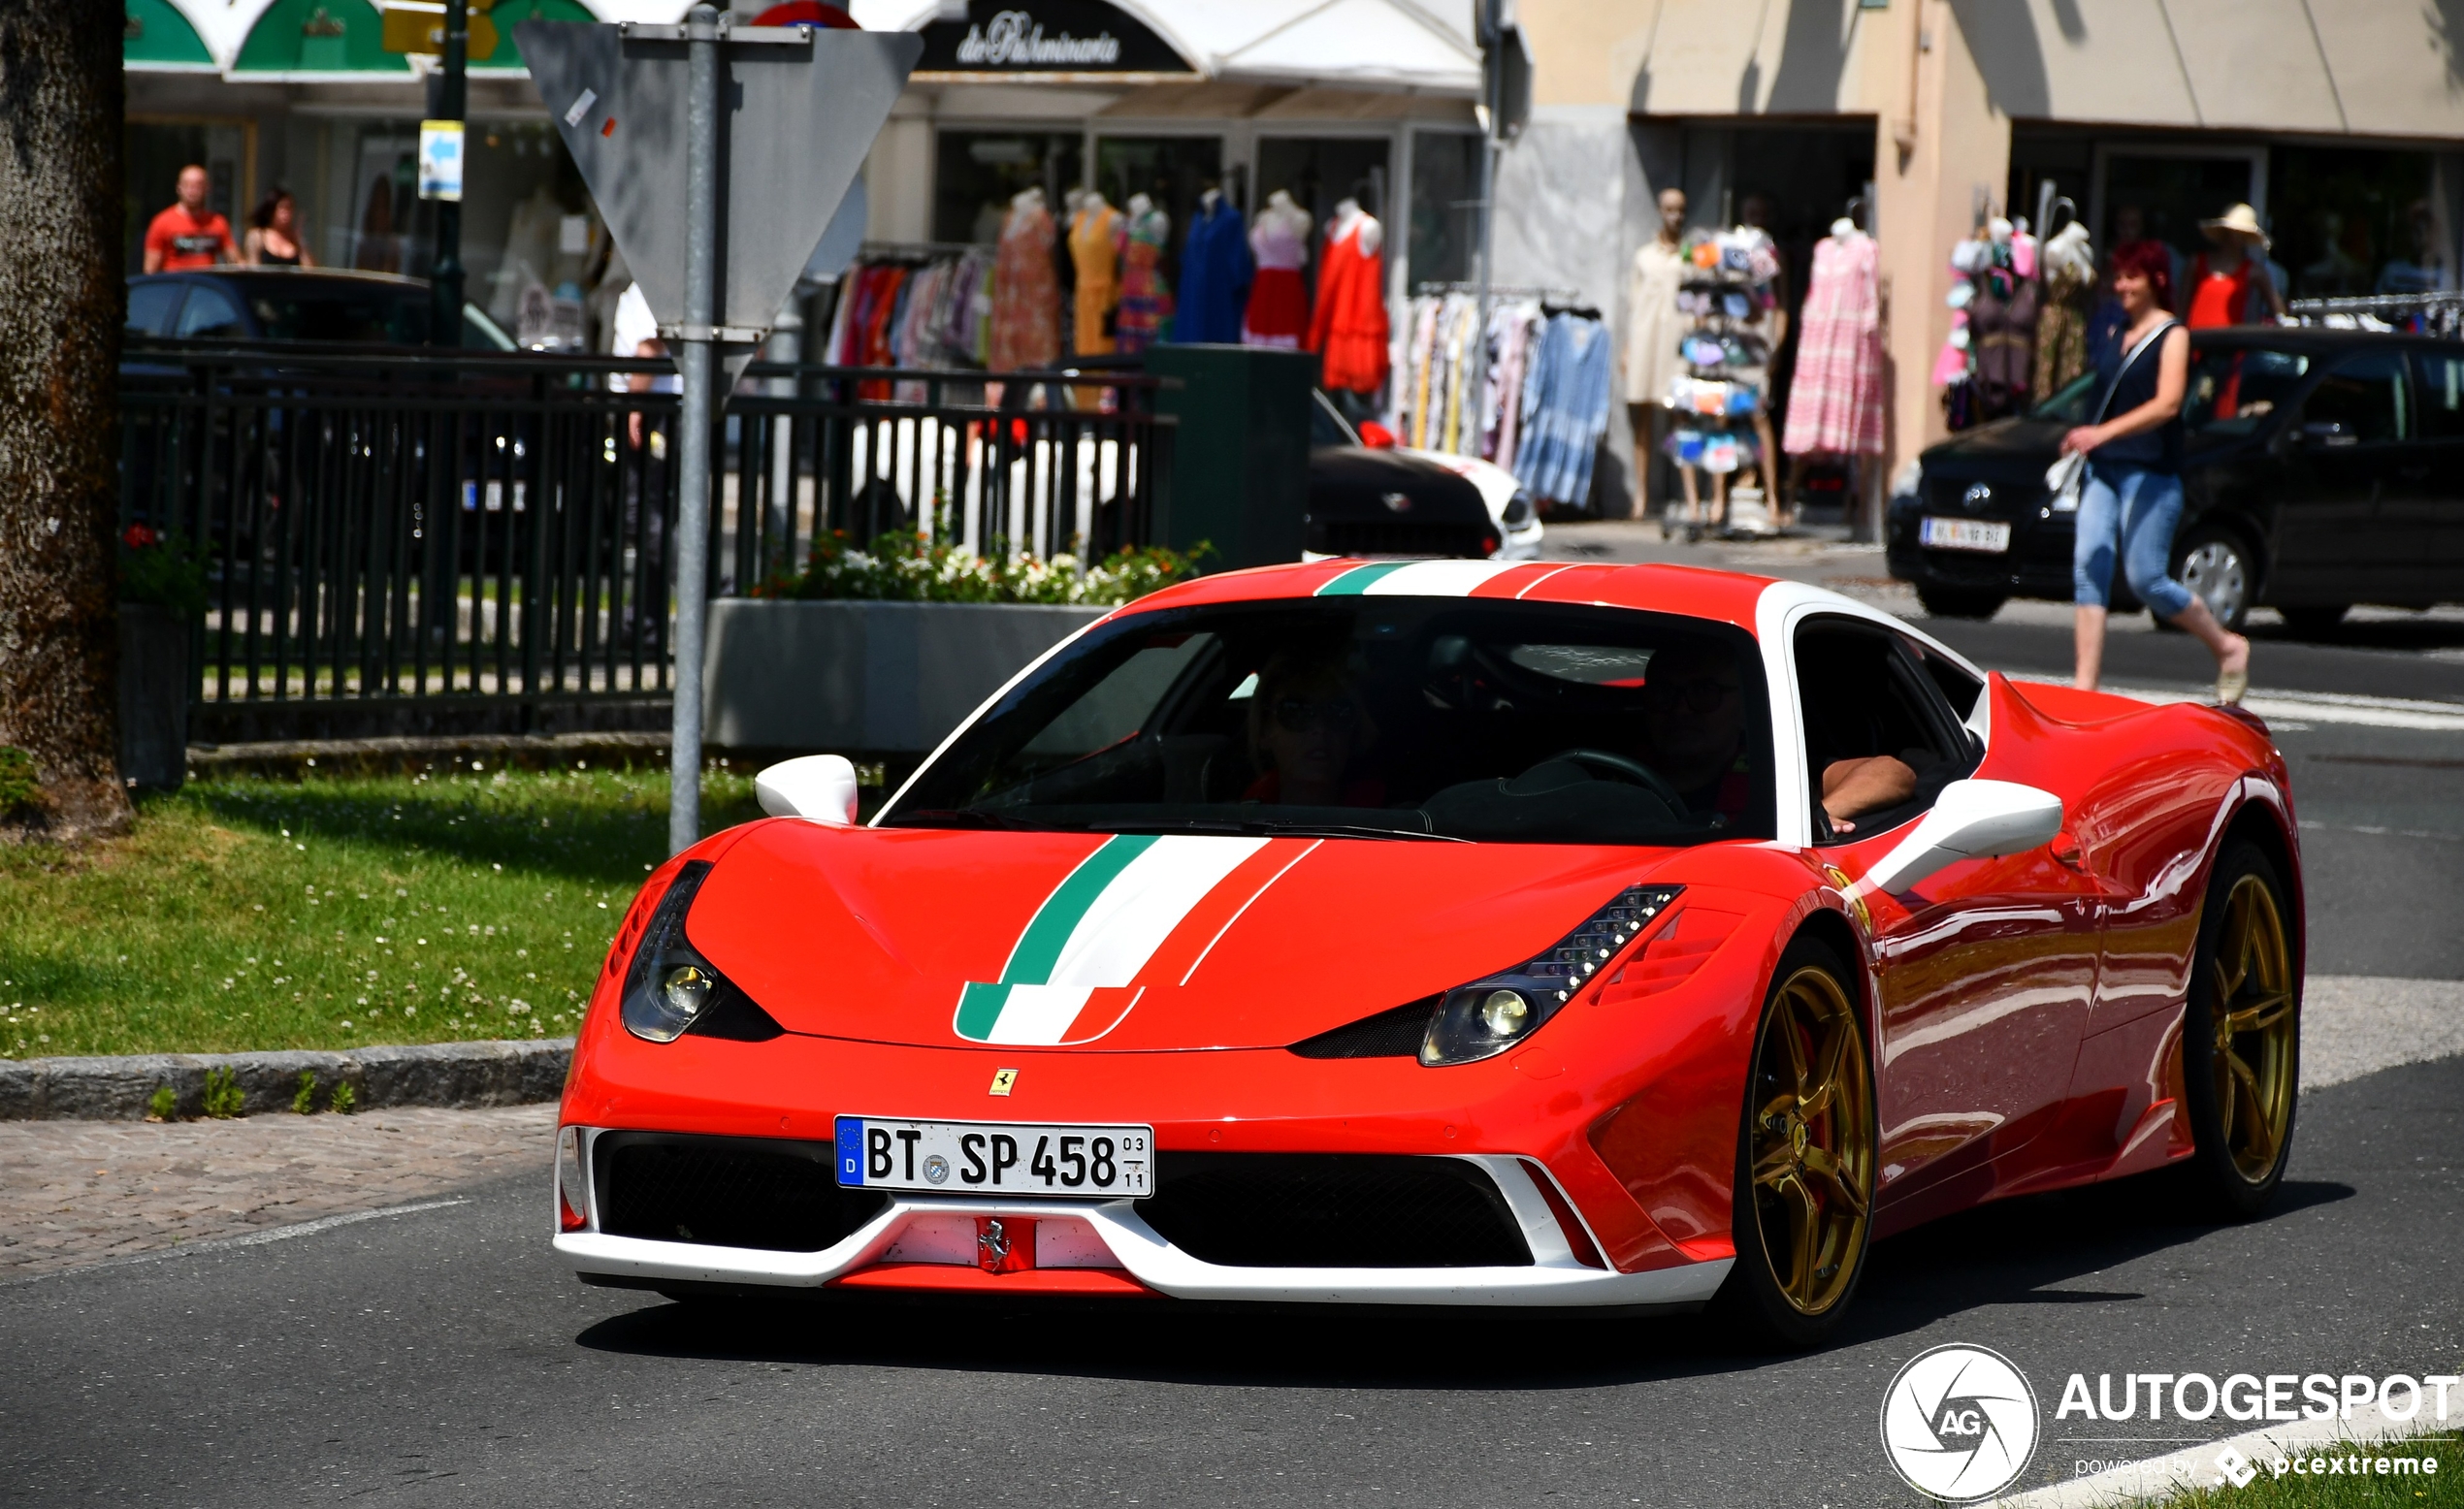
(1140, 911)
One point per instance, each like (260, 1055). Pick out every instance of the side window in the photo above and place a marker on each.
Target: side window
(1867, 704)
(1959, 689)
(2361, 402)
(2437, 394)
(1122, 703)
(150, 305)
(210, 315)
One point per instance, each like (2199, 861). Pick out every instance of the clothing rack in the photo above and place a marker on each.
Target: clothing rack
(1501, 291)
(884, 251)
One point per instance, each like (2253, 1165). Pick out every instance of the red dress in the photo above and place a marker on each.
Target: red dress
(1349, 327)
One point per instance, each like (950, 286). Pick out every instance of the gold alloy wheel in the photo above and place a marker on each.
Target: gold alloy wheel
(2253, 1028)
(1812, 1140)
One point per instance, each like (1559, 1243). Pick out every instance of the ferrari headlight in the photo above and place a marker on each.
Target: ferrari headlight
(1487, 1017)
(669, 984)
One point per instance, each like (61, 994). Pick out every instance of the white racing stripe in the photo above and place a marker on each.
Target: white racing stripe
(1143, 903)
(1439, 578)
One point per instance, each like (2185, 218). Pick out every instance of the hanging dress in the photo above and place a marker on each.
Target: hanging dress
(1835, 404)
(1348, 326)
(1214, 276)
(1146, 303)
(1095, 250)
(1026, 297)
(1654, 324)
(1277, 311)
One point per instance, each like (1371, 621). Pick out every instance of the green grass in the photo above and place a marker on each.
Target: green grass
(327, 913)
(2444, 1490)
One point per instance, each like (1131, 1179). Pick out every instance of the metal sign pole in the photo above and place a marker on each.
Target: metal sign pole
(692, 364)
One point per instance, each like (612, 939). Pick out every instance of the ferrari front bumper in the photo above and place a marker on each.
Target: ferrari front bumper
(920, 1241)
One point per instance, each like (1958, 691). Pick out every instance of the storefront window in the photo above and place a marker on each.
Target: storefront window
(977, 172)
(1445, 225)
(1318, 171)
(2357, 222)
(1173, 170)
(2167, 196)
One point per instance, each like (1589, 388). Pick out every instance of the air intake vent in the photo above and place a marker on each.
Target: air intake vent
(776, 1196)
(1333, 1210)
(1392, 1033)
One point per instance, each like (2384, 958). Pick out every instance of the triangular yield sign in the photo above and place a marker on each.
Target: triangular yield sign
(797, 121)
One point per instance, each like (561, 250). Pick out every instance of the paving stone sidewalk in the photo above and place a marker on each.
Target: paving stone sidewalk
(79, 1192)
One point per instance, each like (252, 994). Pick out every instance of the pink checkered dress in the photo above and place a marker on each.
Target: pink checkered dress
(1835, 406)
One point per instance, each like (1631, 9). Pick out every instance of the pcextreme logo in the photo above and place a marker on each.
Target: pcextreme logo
(1958, 1423)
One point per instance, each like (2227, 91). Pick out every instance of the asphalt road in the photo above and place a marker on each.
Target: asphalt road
(442, 1353)
(441, 1357)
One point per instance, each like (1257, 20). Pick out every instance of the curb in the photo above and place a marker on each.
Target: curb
(2176, 1473)
(462, 1075)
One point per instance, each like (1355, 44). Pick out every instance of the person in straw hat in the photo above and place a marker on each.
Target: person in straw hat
(2229, 283)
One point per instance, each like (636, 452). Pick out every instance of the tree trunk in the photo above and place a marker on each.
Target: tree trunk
(62, 103)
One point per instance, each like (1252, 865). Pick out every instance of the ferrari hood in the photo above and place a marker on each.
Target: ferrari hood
(1126, 942)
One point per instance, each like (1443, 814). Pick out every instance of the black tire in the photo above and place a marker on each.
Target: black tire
(2241, 1036)
(2222, 570)
(1953, 602)
(1781, 1304)
(2314, 620)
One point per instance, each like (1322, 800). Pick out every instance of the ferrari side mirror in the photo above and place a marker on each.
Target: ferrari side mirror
(1975, 819)
(819, 787)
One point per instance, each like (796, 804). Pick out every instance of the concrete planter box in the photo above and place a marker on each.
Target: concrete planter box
(869, 677)
(154, 685)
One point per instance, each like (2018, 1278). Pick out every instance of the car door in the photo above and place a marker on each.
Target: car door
(1986, 970)
(2438, 410)
(2342, 454)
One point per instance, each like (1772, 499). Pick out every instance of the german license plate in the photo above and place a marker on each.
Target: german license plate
(996, 1158)
(1986, 534)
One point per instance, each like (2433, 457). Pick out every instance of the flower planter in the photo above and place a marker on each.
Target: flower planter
(864, 677)
(154, 685)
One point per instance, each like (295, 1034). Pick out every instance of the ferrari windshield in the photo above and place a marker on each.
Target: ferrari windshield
(1389, 718)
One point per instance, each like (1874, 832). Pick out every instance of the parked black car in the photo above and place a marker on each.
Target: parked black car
(1367, 501)
(2323, 467)
(242, 304)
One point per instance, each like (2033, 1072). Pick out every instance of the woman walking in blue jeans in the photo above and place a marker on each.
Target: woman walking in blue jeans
(2133, 493)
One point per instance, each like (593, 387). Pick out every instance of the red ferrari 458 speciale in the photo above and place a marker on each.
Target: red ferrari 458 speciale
(1449, 933)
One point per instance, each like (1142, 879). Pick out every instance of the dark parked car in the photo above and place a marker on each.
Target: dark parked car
(2323, 467)
(295, 304)
(1378, 500)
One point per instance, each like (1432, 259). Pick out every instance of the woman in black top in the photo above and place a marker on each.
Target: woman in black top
(273, 234)
(2132, 498)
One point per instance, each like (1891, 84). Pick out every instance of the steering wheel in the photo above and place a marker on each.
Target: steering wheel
(1617, 768)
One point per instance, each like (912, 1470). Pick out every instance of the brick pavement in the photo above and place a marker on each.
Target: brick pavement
(79, 1192)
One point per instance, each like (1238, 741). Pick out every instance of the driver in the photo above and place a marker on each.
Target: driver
(1694, 710)
(1306, 725)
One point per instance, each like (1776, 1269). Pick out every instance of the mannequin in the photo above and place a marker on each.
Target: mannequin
(1095, 234)
(1835, 406)
(1653, 326)
(1348, 325)
(1027, 294)
(1145, 302)
(1216, 270)
(1279, 303)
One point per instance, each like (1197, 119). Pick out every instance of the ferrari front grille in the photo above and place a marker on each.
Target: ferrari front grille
(774, 1195)
(1392, 1034)
(1333, 1210)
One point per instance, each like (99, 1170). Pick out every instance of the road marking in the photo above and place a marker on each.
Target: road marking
(2286, 709)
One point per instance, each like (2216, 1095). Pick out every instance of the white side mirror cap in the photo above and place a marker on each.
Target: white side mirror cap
(819, 787)
(1975, 819)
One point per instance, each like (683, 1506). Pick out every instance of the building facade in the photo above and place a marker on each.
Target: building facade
(2340, 121)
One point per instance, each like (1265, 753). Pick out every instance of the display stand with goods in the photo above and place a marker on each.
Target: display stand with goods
(1717, 401)
(1987, 363)
(1544, 405)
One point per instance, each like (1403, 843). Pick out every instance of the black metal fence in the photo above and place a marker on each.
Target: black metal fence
(396, 529)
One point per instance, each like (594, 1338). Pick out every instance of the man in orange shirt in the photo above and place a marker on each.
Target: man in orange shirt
(188, 235)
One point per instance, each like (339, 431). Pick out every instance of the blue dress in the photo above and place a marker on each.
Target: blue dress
(1215, 272)
(1566, 406)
